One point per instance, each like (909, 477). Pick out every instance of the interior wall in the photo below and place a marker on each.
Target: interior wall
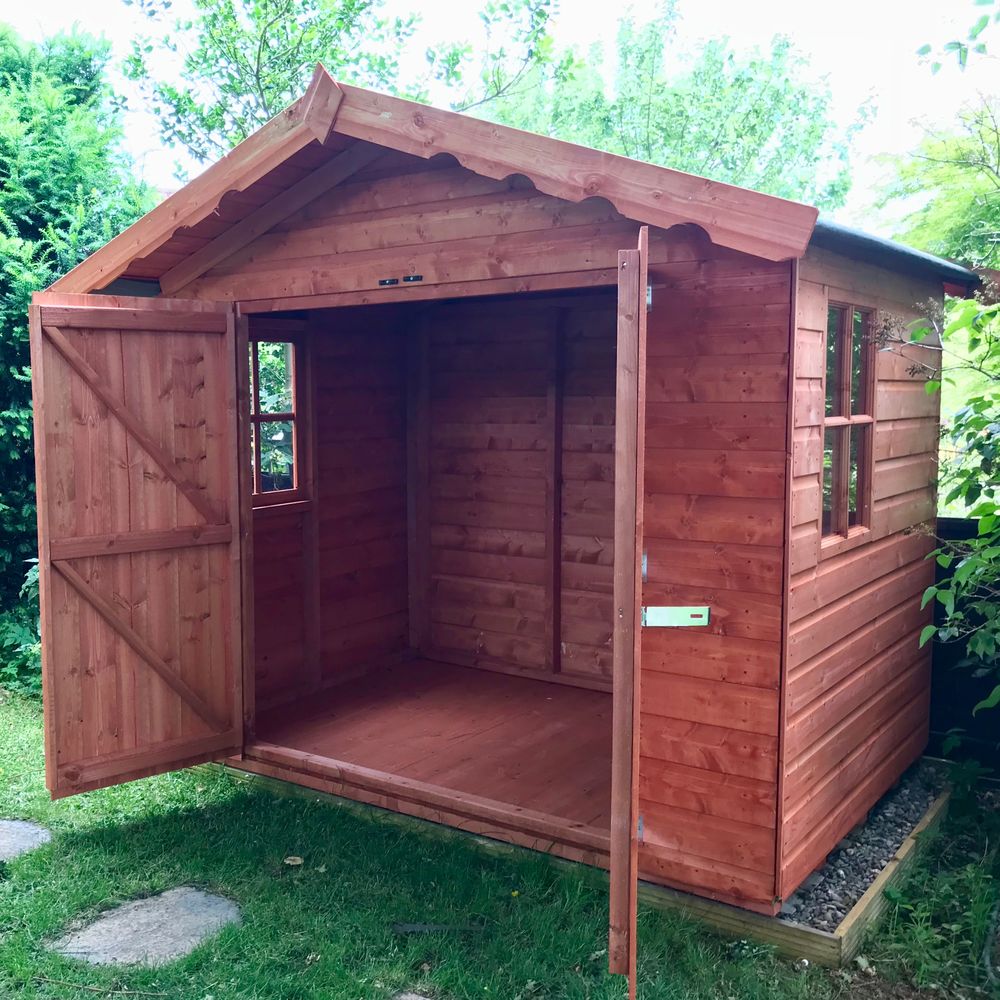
(520, 484)
(359, 361)
(337, 560)
(715, 452)
(858, 685)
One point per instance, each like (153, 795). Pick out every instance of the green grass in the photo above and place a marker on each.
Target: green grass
(323, 931)
(939, 919)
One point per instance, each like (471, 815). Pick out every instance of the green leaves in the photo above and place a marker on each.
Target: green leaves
(990, 701)
(64, 190)
(752, 119)
(245, 60)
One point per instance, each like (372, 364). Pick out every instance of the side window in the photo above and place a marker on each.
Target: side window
(849, 422)
(275, 433)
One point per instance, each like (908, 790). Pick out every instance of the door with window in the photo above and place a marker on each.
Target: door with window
(139, 505)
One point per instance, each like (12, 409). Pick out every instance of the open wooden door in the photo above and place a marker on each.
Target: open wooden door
(139, 554)
(630, 419)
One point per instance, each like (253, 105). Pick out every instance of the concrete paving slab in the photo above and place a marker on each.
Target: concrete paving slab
(17, 837)
(151, 931)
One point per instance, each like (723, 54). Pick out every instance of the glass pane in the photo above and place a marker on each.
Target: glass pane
(829, 448)
(252, 402)
(859, 444)
(274, 365)
(859, 353)
(834, 341)
(277, 459)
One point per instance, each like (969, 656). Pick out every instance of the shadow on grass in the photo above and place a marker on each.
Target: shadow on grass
(324, 928)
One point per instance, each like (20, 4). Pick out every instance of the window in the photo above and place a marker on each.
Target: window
(274, 431)
(848, 425)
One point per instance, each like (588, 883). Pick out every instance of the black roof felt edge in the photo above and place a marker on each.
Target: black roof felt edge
(871, 249)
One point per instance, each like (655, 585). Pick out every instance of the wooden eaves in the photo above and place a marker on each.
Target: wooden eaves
(748, 221)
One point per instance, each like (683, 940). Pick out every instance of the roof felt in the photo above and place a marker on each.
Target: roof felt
(859, 245)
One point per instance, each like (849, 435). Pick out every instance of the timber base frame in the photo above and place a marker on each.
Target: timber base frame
(831, 949)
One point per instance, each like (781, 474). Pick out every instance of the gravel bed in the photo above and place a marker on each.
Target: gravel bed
(824, 898)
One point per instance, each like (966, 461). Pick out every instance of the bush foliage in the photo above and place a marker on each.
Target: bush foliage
(65, 189)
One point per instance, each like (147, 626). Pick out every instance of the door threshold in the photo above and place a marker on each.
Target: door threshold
(472, 813)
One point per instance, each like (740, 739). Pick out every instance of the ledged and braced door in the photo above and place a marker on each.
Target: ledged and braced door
(139, 554)
(630, 421)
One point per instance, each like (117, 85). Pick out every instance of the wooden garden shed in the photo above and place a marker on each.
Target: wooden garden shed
(555, 496)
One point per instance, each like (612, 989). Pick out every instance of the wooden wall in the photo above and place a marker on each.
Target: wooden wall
(716, 405)
(403, 215)
(857, 687)
(359, 360)
(330, 572)
(520, 484)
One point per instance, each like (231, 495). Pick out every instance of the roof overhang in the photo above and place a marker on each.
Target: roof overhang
(334, 115)
(859, 245)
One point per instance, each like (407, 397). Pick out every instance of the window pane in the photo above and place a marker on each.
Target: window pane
(277, 460)
(859, 449)
(834, 342)
(830, 439)
(859, 355)
(253, 402)
(852, 480)
(274, 363)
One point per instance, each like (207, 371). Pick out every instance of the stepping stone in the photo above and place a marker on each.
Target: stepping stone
(150, 931)
(410, 996)
(17, 837)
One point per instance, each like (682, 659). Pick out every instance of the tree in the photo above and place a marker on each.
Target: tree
(956, 176)
(962, 48)
(245, 60)
(752, 121)
(65, 189)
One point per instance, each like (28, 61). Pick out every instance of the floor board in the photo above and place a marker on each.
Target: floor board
(545, 747)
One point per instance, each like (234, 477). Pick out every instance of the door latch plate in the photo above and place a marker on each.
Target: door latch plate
(664, 617)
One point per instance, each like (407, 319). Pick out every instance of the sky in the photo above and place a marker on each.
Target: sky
(866, 49)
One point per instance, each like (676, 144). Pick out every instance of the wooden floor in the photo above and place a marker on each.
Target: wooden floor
(538, 746)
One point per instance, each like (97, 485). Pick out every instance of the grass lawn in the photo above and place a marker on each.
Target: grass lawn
(323, 931)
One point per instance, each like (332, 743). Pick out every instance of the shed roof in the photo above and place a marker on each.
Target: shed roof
(878, 250)
(334, 129)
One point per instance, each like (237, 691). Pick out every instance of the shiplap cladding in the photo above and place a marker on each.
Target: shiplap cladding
(857, 686)
(716, 405)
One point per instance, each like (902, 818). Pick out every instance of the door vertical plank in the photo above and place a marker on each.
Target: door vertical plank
(236, 559)
(243, 503)
(39, 408)
(637, 560)
(631, 326)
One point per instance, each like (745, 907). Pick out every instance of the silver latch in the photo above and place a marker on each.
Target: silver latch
(639, 828)
(662, 617)
(649, 297)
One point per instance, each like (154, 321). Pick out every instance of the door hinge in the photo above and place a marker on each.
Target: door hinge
(663, 617)
(645, 567)
(649, 297)
(640, 829)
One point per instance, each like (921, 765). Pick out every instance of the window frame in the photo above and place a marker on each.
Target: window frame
(842, 533)
(296, 416)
